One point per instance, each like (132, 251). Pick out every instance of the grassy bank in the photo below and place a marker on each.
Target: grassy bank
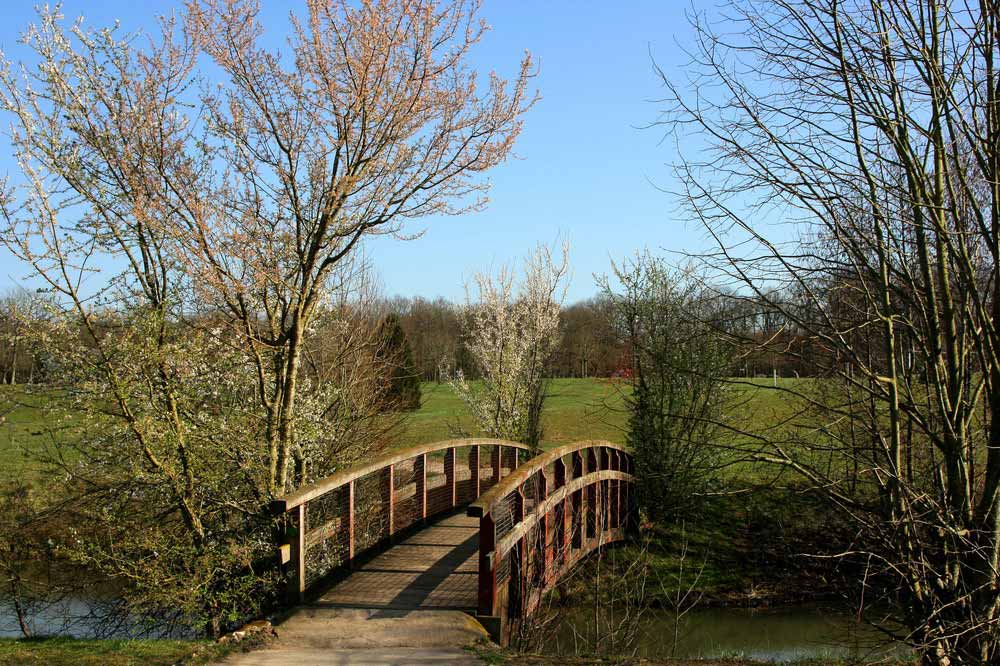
(70, 652)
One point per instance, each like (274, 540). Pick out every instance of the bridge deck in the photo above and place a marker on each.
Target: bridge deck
(435, 568)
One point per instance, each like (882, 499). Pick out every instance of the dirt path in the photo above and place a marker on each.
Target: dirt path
(317, 636)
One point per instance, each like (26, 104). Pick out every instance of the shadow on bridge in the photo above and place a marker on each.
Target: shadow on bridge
(433, 569)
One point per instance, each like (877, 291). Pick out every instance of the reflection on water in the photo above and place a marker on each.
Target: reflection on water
(78, 617)
(777, 634)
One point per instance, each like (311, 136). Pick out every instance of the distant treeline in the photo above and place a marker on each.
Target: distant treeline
(592, 342)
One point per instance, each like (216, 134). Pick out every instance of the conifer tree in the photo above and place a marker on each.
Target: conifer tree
(403, 389)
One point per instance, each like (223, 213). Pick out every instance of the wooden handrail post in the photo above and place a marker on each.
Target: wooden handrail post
(496, 462)
(543, 529)
(487, 571)
(449, 475)
(297, 584)
(521, 553)
(474, 469)
(420, 474)
(350, 524)
(579, 506)
(559, 540)
(618, 491)
(593, 498)
(603, 489)
(389, 483)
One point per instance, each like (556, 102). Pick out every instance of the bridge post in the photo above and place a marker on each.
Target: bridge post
(487, 569)
(592, 498)
(297, 584)
(559, 527)
(449, 475)
(420, 480)
(474, 469)
(389, 492)
(606, 494)
(496, 462)
(350, 524)
(541, 550)
(579, 506)
(521, 553)
(618, 491)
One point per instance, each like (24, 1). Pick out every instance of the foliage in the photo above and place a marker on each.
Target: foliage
(678, 386)
(403, 390)
(512, 330)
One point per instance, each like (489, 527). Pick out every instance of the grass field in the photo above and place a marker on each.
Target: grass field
(26, 428)
(576, 409)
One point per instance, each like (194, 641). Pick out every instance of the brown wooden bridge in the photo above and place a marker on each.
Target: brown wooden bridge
(391, 534)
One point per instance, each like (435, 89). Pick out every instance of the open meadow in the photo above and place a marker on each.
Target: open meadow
(576, 409)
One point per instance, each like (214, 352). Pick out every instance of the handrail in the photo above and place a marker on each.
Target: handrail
(488, 500)
(329, 523)
(541, 510)
(544, 516)
(323, 486)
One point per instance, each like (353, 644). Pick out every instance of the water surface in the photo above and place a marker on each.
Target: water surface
(775, 634)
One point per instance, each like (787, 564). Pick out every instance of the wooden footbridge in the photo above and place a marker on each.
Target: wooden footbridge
(474, 525)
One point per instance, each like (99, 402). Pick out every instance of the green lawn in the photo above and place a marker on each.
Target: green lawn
(25, 427)
(576, 409)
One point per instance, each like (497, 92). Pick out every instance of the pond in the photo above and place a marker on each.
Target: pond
(80, 617)
(775, 634)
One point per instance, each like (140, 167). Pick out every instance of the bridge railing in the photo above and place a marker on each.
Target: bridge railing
(542, 518)
(333, 521)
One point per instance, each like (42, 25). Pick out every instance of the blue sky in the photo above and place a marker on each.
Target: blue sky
(585, 169)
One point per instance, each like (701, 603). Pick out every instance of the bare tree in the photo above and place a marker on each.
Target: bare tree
(875, 127)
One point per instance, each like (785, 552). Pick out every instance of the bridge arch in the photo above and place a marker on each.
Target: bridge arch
(542, 519)
(333, 521)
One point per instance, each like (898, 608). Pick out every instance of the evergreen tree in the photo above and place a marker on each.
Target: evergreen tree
(403, 389)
